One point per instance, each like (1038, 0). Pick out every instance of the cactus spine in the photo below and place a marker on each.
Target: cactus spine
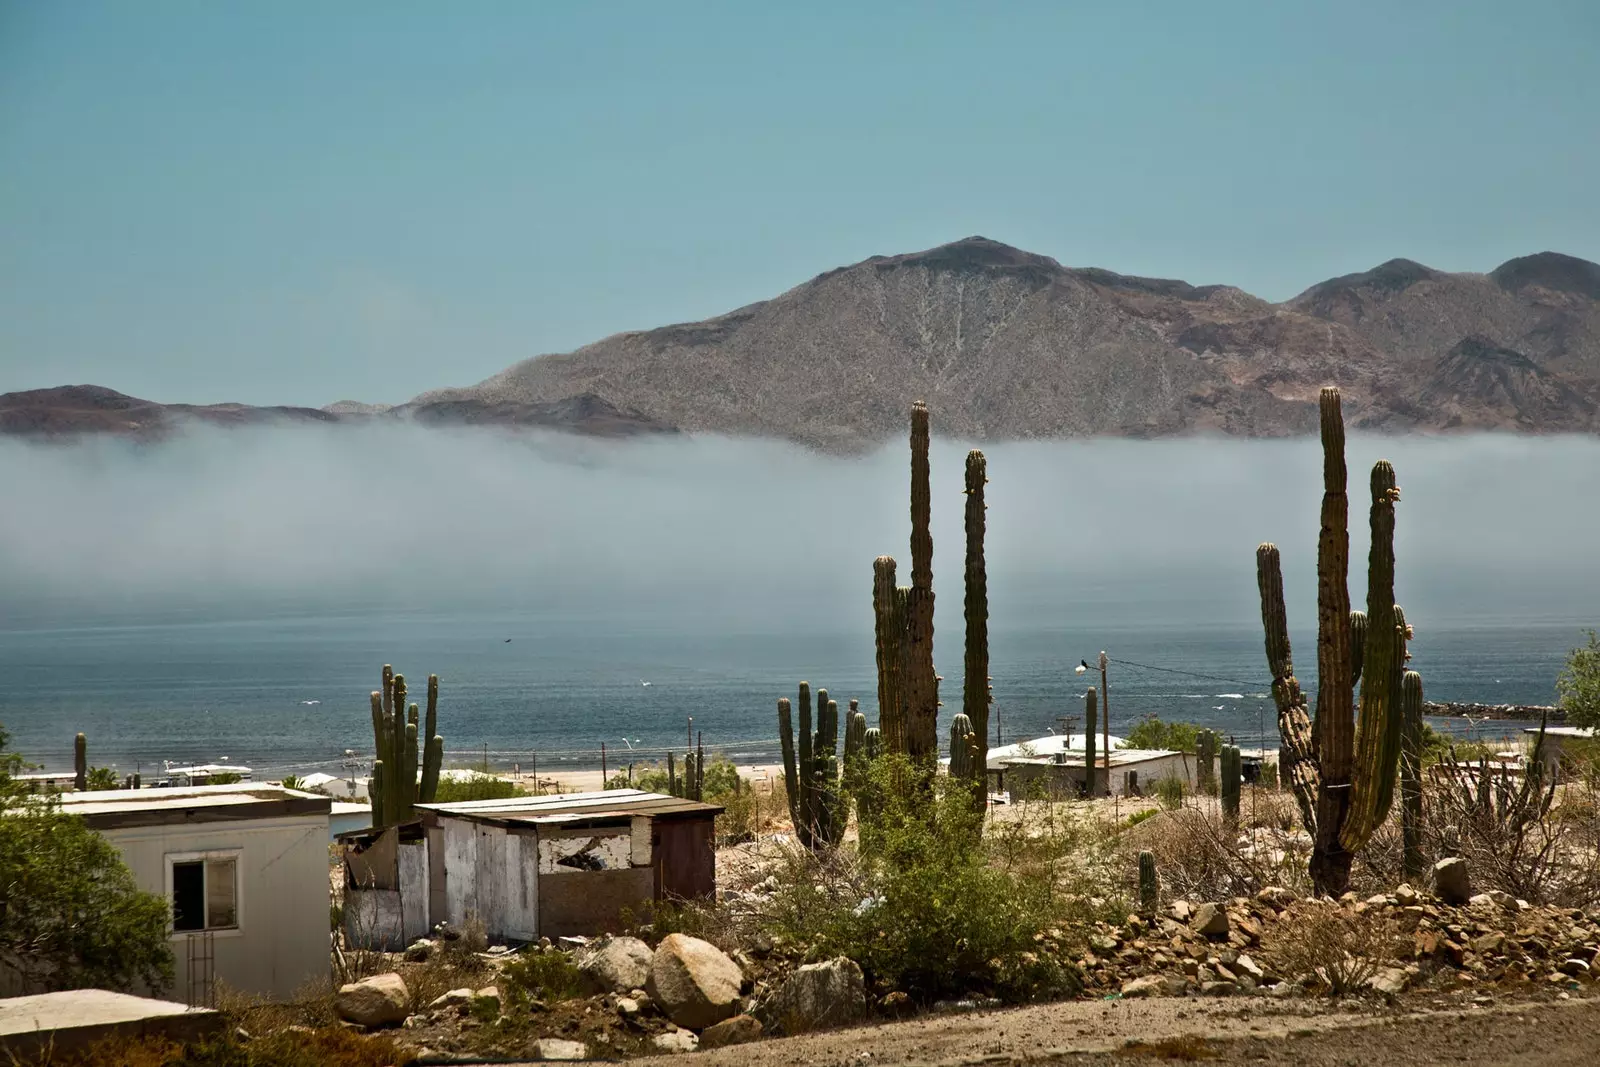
(1148, 886)
(1411, 774)
(963, 747)
(1344, 780)
(80, 763)
(1231, 780)
(1091, 701)
(975, 690)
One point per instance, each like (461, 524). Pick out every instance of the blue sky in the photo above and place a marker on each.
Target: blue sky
(293, 202)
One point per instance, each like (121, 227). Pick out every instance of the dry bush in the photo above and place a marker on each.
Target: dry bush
(1199, 855)
(1336, 949)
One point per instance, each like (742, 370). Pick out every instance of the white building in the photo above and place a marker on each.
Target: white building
(245, 868)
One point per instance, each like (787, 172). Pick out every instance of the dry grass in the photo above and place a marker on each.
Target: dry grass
(1337, 950)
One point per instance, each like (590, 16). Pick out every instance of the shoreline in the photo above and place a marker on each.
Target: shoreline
(1517, 712)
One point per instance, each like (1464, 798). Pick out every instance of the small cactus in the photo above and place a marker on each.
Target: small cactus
(1411, 775)
(1205, 761)
(1091, 701)
(80, 763)
(1231, 780)
(1148, 887)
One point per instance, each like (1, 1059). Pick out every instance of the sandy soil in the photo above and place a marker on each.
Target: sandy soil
(1296, 1033)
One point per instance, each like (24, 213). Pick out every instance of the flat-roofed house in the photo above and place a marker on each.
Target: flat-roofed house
(245, 869)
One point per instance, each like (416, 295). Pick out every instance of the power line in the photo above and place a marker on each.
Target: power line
(1191, 674)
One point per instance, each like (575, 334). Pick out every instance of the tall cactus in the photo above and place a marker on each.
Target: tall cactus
(1232, 778)
(975, 693)
(1352, 771)
(889, 624)
(791, 773)
(811, 767)
(1149, 889)
(1091, 701)
(400, 779)
(963, 748)
(1411, 774)
(804, 741)
(80, 763)
(922, 689)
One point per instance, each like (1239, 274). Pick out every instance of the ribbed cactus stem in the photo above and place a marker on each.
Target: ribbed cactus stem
(433, 760)
(890, 632)
(922, 703)
(1231, 781)
(1205, 761)
(375, 793)
(700, 766)
(1091, 701)
(975, 690)
(1149, 889)
(855, 735)
(1358, 645)
(961, 747)
(1411, 774)
(872, 743)
(80, 763)
(1297, 755)
(1334, 726)
(804, 739)
(672, 775)
(1377, 752)
(791, 774)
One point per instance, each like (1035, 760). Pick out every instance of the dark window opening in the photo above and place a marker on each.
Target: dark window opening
(189, 896)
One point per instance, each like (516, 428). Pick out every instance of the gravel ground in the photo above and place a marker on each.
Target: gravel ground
(1298, 1033)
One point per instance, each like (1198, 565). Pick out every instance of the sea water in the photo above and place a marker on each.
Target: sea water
(290, 694)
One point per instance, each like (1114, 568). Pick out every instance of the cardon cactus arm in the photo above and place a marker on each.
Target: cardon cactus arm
(804, 755)
(961, 747)
(1299, 771)
(791, 782)
(1377, 751)
(1091, 701)
(1411, 774)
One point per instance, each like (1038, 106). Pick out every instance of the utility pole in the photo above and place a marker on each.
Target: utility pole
(1105, 717)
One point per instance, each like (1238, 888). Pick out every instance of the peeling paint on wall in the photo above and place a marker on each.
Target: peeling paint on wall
(609, 850)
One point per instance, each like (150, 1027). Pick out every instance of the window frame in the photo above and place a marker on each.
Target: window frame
(171, 859)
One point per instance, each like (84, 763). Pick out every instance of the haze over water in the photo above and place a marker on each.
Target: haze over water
(190, 600)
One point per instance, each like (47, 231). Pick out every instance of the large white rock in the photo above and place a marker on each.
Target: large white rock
(555, 1048)
(693, 982)
(817, 995)
(616, 965)
(382, 1000)
(676, 1041)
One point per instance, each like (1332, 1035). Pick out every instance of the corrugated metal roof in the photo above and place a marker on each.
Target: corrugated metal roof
(609, 802)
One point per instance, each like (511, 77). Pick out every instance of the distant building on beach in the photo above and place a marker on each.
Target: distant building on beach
(245, 869)
(527, 867)
(1054, 766)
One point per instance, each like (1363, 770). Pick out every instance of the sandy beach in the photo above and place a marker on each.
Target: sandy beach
(761, 775)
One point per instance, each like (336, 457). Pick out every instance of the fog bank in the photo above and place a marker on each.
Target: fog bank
(717, 534)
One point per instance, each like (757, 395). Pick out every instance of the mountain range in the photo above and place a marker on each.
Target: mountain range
(1006, 344)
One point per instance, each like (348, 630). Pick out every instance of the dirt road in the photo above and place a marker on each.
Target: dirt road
(1297, 1033)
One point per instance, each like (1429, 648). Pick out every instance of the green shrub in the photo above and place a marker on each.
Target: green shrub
(722, 778)
(1152, 733)
(1169, 791)
(542, 976)
(1579, 684)
(477, 787)
(102, 778)
(924, 910)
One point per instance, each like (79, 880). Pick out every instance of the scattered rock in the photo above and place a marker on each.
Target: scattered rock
(554, 1048)
(735, 1031)
(419, 951)
(819, 995)
(1150, 985)
(676, 1041)
(381, 1000)
(1451, 882)
(1210, 920)
(627, 1007)
(455, 998)
(1218, 989)
(1179, 910)
(486, 1001)
(616, 965)
(1574, 967)
(693, 982)
(1391, 981)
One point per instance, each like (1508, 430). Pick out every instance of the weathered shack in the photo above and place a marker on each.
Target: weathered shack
(1132, 772)
(527, 867)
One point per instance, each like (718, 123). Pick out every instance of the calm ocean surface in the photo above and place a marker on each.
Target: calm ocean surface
(290, 694)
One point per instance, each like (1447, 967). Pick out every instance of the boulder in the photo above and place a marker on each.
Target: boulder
(455, 998)
(616, 965)
(554, 1048)
(693, 982)
(1210, 920)
(1150, 985)
(382, 1000)
(735, 1031)
(486, 1001)
(1391, 981)
(817, 995)
(419, 951)
(676, 1041)
(1450, 881)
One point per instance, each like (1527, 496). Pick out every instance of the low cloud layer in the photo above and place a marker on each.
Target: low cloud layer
(713, 534)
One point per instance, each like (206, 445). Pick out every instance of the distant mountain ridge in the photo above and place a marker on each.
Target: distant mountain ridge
(1008, 344)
